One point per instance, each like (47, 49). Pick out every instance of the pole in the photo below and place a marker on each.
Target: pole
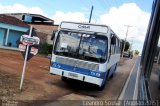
(25, 61)
(125, 39)
(131, 44)
(91, 14)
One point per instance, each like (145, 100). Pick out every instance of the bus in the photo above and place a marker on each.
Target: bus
(85, 52)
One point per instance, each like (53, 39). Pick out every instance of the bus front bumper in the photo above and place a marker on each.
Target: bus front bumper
(77, 76)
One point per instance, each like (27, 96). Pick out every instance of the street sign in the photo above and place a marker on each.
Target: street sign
(28, 40)
(22, 47)
(29, 47)
(34, 50)
(33, 42)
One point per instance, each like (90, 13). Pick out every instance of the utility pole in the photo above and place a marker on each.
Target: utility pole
(125, 38)
(131, 43)
(91, 14)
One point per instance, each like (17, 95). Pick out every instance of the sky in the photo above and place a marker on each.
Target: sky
(114, 13)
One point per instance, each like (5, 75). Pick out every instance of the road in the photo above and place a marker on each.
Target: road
(40, 85)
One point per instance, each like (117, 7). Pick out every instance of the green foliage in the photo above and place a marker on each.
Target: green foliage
(127, 45)
(45, 48)
(136, 52)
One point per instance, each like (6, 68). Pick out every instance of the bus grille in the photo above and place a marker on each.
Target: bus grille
(77, 63)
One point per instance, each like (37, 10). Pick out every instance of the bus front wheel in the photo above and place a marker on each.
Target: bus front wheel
(100, 88)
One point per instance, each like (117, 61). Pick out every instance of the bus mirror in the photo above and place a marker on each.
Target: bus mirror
(53, 35)
(113, 40)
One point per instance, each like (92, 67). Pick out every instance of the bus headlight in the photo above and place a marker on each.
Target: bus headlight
(98, 74)
(53, 64)
(56, 65)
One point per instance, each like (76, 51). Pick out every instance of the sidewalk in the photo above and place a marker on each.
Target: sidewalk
(129, 90)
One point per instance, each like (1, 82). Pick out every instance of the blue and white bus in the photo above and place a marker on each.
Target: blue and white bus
(85, 52)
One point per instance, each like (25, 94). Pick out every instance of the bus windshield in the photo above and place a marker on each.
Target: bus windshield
(91, 47)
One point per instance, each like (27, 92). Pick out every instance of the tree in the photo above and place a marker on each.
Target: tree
(127, 45)
(136, 52)
(45, 48)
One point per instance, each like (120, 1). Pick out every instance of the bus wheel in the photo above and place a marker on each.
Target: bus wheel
(111, 76)
(113, 72)
(100, 88)
(64, 78)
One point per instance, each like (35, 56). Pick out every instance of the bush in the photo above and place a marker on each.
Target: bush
(45, 48)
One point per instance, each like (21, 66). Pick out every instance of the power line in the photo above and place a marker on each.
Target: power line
(128, 26)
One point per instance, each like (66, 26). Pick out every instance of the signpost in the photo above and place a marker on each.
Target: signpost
(27, 46)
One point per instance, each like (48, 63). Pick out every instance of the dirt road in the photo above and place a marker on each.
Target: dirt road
(40, 85)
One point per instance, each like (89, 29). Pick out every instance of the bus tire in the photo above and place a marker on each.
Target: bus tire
(113, 72)
(111, 76)
(100, 88)
(64, 78)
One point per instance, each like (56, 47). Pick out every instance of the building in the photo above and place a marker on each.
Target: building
(43, 25)
(45, 31)
(11, 30)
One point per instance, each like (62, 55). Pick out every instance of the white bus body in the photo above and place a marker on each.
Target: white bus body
(85, 52)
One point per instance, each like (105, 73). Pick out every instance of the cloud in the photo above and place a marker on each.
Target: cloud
(69, 16)
(128, 14)
(116, 18)
(19, 8)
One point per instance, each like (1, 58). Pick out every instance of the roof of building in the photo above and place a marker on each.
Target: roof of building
(36, 18)
(12, 20)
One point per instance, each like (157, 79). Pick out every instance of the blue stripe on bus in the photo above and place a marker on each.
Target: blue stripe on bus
(93, 73)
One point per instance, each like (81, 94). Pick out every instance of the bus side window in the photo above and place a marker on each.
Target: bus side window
(113, 40)
(113, 44)
(118, 46)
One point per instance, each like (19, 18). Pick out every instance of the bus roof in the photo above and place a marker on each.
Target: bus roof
(84, 27)
(99, 28)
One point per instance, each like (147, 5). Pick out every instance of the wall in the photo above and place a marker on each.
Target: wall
(14, 34)
(13, 27)
(2, 33)
(14, 37)
(27, 18)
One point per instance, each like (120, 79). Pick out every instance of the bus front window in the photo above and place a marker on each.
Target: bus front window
(81, 46)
